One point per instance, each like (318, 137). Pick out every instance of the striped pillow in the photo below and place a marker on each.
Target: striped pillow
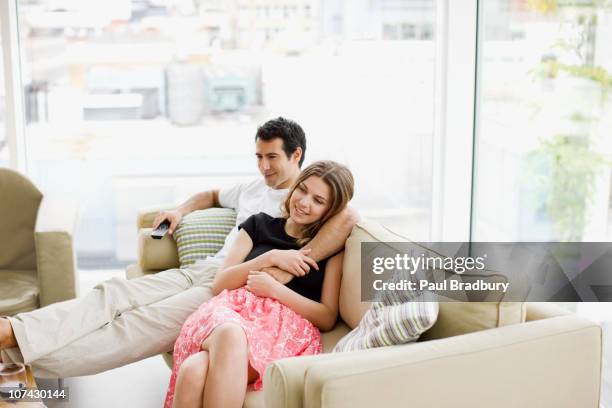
(202, 233)
(392, 320)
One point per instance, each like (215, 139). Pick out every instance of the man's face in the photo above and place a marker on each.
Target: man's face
(279, 171)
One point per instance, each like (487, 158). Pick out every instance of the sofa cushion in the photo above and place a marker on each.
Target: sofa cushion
(351, 307)
(465, 317)
(202, 233)
(18, 292)
(331, 338)
(454, 318)
(394, 320)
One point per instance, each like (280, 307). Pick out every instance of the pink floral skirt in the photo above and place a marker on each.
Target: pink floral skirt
(273, 331)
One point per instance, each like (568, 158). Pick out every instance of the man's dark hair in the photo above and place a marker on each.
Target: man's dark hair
(290, 132)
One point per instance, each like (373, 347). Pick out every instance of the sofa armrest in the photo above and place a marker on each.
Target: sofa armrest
(156, 254)
(55, 256)
(146, 215)
(284, 379)
(547, 363)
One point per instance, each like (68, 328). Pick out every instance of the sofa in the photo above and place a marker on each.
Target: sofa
(37, 258)
(488, 354)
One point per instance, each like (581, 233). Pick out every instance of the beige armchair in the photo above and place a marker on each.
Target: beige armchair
(37, 259)
(476, 355)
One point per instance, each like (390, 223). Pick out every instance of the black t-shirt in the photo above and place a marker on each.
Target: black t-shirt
(268, 233)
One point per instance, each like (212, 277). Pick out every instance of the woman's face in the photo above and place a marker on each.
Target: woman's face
(309, 201)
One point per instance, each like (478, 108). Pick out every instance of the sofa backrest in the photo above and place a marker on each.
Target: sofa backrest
(351, 307)
(454, 318)
(18, 210)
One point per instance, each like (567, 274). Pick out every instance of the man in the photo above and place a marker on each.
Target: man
(123, 321)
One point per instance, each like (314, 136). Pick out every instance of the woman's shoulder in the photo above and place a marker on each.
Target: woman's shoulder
(266, 218)
(268, 226)
(258, 217)
(261, 221)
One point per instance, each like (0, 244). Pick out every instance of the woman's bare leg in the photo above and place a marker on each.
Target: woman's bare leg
(228, 368)
(7, 337)
(189, 389)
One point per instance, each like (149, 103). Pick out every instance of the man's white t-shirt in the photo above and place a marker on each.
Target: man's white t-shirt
(248, 199)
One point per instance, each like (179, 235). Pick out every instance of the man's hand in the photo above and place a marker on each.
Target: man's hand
(173, 216)
(261, 284)
(295, 262)
(281, 276)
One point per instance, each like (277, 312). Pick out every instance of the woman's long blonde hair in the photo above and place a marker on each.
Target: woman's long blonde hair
(339, 179)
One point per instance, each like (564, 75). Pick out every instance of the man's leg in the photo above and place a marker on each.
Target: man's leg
(137, 333)
(45, 330)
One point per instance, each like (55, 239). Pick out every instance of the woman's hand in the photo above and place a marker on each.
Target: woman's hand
(296, 262)
(281, 276)
(261, 284)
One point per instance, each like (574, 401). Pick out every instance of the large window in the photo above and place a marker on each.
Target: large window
(135, 103)
(4, 151)
(543, 152)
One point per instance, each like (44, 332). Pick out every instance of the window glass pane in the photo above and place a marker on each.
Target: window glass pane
(543, 168)
(4, 152)
(137, 103)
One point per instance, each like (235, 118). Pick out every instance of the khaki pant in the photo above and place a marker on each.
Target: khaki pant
(120, 321)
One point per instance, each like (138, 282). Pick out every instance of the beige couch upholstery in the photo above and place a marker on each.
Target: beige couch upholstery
(37, 259)
(476, 355)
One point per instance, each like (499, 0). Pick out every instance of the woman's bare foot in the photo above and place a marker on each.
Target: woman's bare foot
(7, 337)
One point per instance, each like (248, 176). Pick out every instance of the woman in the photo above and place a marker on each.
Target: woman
(255, 319)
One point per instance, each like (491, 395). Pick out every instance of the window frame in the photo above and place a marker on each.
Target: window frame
(456, 110)
(15, 116)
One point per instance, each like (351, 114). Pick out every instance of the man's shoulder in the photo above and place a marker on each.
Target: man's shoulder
(251, 183)
(254, 186)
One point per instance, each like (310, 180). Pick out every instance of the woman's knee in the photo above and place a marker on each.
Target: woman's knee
(194, 368)
(228, 336)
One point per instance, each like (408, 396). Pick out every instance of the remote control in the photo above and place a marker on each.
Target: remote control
(159, 232)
